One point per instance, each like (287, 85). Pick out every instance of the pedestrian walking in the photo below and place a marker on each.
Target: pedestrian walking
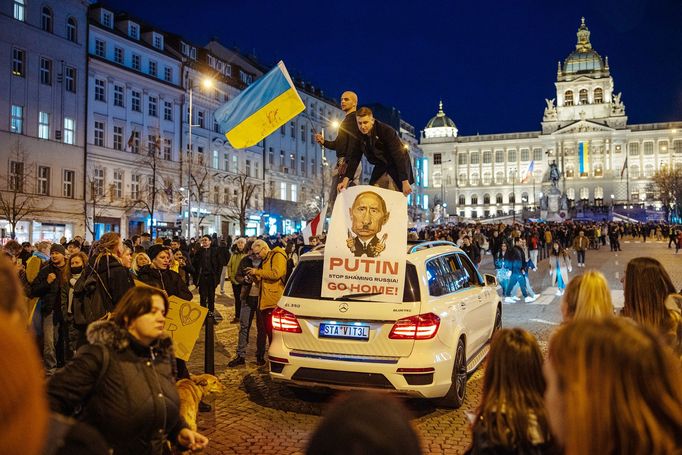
(559, 267)
(580, 245)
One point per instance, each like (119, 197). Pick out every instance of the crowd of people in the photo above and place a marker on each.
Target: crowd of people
(85, 309)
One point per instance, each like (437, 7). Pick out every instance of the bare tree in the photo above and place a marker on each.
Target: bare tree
(668, 184)
(95, 203)
(238, 210)
(16, 199)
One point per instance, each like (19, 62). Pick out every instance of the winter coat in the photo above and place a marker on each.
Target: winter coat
(564, 266)
(233, 265)
(48, 293)
(272, 275)
(116, 278)
(216, 266)
(168, 280)
(482, 444)
(134, 405)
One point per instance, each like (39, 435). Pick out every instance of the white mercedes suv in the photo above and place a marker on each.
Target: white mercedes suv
(425, 344)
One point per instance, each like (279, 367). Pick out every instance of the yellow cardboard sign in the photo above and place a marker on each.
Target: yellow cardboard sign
(183, 324)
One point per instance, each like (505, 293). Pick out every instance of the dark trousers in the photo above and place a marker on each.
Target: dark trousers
(237, 290)
(264, 324)
(516, 278)
(207, 286)
(581, 257)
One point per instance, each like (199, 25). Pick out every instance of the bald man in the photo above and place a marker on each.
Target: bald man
(346, 141)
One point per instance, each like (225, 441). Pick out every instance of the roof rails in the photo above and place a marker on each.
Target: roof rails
(430, 244)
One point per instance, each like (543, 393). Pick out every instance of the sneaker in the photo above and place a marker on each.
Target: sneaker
(530, 299)
(260, 361)
(204, 407)
(236, 362)
(217, 317)
(516, 299)
(509, 300)
(559, 293)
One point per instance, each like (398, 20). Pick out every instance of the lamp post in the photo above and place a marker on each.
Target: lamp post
(513, 177)
(206, 83)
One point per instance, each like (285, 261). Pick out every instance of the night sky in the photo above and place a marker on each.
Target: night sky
(491, 62)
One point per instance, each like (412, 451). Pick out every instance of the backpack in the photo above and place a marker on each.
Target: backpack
(290, 266)
(91, 299)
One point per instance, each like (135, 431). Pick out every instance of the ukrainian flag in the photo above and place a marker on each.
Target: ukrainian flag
(583, 157)
(261, 109)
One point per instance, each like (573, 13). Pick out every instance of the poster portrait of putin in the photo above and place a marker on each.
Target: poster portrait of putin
(368, 215)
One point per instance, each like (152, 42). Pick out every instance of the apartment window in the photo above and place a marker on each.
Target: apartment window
(43, 125)
(292, 129)
(568, 98)
(302, 133)
(134, 30)
(46, 19)
(17, 121)
(282, 130)
(100, 50)
(283, 190)
(167, 110)
(582, 96)
(136, 62)
(98, 181)
(68, 180)
(292, 163)
(45, 71)
(153, 144)
(117, 190)
(226, 161)
(633, 148)
(235, 163)
(135, 180)
(226, 196)
(158, 41)
(18, 62)
(134, 142)
(598, 95)
(118, 95)
(294, 192)
(303, 166)
(167, 147)
(69, 130)
(153, 68)
(16, 176)
(70, 79)
(153, 104)
(271, 157)
(136, 101)
(118, 55)
(313, 167)
(462, 160)
(537, 154)
(118, 138)
(99, 134)
(248, 168)
(474, 158)
(19, 10)
(71, 29)
(168, 74)
(256, 173)
(99, 90)
(677, 147)
(648, 148)
(43, 181)
(200, 119)
(106, 19)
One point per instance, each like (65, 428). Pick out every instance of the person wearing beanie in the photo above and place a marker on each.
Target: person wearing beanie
(365, 422)
(23, 403)
(47, 287)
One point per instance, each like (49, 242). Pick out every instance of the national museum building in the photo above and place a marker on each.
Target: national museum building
(603, 160)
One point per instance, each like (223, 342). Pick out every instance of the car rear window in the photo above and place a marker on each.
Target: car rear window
(306, 282)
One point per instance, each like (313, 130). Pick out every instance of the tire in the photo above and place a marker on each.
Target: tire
(457, 392)
(498, 322)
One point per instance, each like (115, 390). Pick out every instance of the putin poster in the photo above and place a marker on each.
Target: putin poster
(366, 248)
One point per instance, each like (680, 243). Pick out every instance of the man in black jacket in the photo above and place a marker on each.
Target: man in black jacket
(207, 268)
(346, 140)
(382, 147)
(47, 286)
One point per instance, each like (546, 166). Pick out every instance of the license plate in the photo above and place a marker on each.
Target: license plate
(349, 331)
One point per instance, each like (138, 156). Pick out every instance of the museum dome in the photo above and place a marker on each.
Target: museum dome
(441, 125)
(583, 59)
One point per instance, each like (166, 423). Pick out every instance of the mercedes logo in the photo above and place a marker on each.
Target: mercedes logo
(343, 307)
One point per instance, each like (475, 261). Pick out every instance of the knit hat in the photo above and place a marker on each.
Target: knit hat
(23, 402)
(155, 250)
(57, 248)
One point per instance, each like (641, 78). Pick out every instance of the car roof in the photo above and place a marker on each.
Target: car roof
(417, 251)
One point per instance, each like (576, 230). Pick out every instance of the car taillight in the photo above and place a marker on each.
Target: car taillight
(285, 321)
(419, 327)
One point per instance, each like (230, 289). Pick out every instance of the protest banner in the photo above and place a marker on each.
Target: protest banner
(366, 249)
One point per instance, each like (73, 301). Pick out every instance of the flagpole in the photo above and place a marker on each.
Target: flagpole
(627, 180)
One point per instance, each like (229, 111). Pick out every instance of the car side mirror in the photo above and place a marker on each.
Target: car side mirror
(490, 280)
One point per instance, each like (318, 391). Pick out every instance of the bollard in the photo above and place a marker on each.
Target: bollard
(209, 341)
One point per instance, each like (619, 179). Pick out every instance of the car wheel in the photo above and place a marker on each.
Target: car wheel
(455, 396)
(498, 321)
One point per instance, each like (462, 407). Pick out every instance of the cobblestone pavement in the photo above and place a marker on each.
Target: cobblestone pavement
(255, 416)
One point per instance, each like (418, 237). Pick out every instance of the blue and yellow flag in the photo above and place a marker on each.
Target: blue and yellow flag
(583, 157)
(261, 109)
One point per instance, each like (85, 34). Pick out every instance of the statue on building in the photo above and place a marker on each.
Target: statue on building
(550, 110)
(554, 174)
(617, 107)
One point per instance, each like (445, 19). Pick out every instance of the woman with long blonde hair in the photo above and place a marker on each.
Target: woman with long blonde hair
(587, 296)
(613, 389)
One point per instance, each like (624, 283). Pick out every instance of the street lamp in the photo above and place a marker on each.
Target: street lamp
(207, 84)
(513, 201)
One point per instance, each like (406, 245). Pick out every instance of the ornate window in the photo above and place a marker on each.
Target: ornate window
(648, 170)
(462, 200)
(537, 154)
(499, 156)
(462, 179)
(570, 194)
(525, 155)
(486, 198)
(583, 96)
(46, 19)
(437, 158)
(512, 198)
(499, 178)
(524, 198)
(634, 171)
(584, 193)
(474, 179)
(474, 199)
(487, 178)
(71, 30)
(598, 95)
(487, 157)
(663, 147)
(498, 198)
(462, 159)
(511, 156)
(475, 158)
(568, 98)
(633, 148)
(649, 148)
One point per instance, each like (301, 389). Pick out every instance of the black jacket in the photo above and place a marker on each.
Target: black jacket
(215, 266)
(382, 148)
(135, 404)
(49, 293)
(347, 139)
(473, 251)
(115, 277)
(168, 280)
